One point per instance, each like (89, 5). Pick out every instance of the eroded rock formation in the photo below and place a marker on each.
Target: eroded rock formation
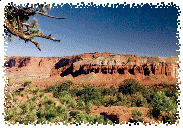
(111, 64)
(162, 69)
(106, 63)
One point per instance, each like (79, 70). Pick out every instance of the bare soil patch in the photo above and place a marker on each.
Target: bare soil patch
(121, 114)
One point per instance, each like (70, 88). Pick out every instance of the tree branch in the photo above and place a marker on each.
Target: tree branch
(20, 27)
(14, 31)
(29, 13)
(26, 37)
(43, 36)
(49, 15)
(20, 15)
(28, 26)
(36, 43)
(34, 12)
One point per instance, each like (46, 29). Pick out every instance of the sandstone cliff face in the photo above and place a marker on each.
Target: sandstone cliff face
(121, 64)
(106, 63)
(31, 67)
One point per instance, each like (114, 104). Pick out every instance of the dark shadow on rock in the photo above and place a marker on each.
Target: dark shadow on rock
(111, 117)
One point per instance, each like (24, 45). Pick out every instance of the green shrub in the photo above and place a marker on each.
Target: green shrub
(137, 112)
(49, 111)
(148, 94)
(123, 100)
(53, 113)
(104, 91)
(22, 113)
(47, 101)
(29, 111)
(92, 119)
(39, 94)
(88, 94)
(67, 100)
(172, 91)
(130, 86)
(9, 81)
(138, 100)
(81, 105)
(109, 101)
(74, 92)
(34, 96)
(164, 108)
(30, 87)
(48, 88)
(111, 91)
(69, 82)
(137, 116)
(75, 113)
(59, 88)
(27, 83)
(64, 86)
(93, 95)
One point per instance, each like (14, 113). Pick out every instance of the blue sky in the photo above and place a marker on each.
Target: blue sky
(143, 31)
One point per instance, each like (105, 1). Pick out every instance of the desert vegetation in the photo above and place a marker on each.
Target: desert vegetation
(72, 105)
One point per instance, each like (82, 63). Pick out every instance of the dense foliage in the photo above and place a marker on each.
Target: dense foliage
(137, 116)
(73, 105)
(164, 107)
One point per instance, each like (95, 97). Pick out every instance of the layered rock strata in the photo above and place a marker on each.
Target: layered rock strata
(106, 63)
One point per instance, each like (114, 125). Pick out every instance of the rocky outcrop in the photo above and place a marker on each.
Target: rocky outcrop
(17, 62)
(32, 67)
(106, 63)
(112, 64)
(147, 70)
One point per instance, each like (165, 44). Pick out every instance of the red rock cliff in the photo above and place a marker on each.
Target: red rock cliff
(106, 63)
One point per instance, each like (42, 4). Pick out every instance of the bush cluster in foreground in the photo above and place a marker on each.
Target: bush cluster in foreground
(75, 104)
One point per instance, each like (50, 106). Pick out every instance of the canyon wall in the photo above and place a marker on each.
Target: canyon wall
(29, 67)
(106, 63)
